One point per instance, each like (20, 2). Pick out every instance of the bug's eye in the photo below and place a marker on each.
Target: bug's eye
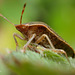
(23, 27)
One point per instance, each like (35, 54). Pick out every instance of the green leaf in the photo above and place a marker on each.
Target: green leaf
(30, 63)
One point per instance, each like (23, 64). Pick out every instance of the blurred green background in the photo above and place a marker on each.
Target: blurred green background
(58, 14)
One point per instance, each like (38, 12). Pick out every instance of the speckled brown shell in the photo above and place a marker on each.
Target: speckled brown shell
(40, 28)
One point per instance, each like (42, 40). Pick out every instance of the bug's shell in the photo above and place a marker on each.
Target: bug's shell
(40, 28)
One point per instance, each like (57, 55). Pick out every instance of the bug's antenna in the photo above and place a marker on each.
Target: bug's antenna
(6, 19)
(22, 13)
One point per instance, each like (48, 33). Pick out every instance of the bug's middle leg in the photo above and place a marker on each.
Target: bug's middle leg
(43, 37)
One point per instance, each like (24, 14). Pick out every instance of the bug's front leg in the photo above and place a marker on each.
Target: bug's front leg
(20, 37)
(29, 41)
(52, 46)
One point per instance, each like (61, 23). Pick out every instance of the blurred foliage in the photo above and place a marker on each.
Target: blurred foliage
(31, 63)
(3, 69)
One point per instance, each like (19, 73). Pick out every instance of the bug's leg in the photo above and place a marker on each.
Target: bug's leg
(20, 37)
(33, 48)
(45, 36)
(29, 41)
(53, 48)
(61, 51)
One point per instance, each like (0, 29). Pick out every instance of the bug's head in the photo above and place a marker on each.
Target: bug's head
(21, 27)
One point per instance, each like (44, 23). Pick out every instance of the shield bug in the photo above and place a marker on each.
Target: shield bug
(40, 33)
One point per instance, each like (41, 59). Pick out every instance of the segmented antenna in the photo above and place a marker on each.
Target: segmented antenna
(22, 13)
(6, 19)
